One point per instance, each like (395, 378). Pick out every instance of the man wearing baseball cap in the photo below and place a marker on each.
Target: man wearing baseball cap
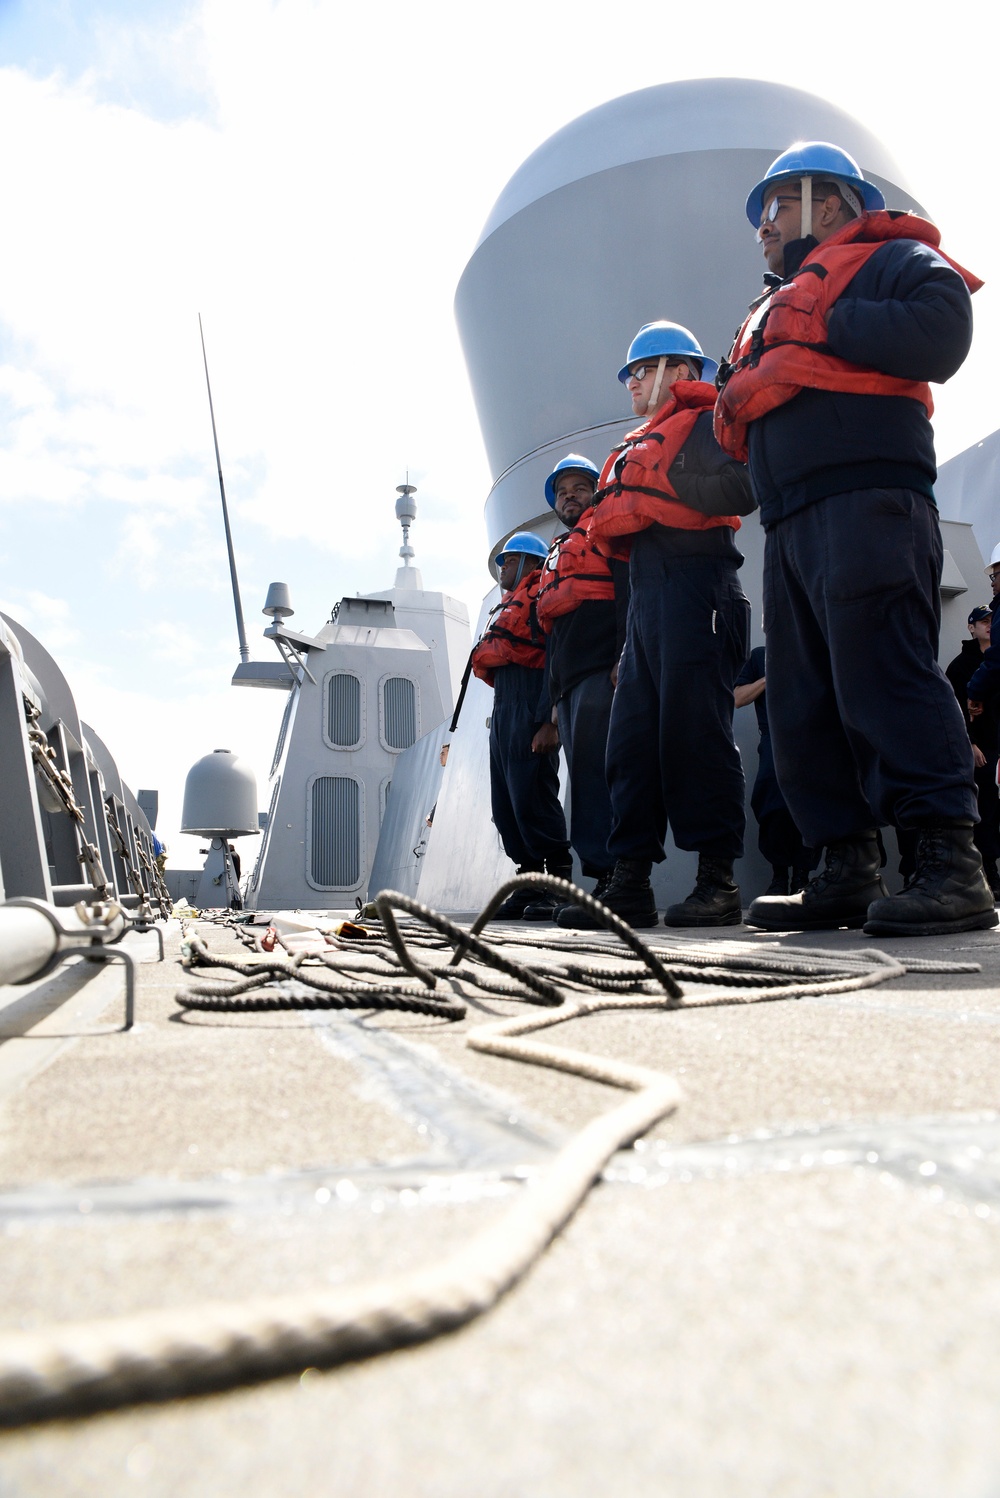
(984, 732)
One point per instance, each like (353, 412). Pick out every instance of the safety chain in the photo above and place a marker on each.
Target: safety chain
(156, 879)
(144, 913)
(59, 782)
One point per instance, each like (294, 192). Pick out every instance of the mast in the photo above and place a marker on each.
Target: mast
(237, 604)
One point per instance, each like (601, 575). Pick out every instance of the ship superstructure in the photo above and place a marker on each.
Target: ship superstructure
(376, 679)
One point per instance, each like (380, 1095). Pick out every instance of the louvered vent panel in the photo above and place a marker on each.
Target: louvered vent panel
(335, 832)
(400, 714)
(344, 710)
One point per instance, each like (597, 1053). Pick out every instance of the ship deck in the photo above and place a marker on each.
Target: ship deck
(790, 1286)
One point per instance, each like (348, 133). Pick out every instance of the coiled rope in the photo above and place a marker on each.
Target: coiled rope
(77, 1368)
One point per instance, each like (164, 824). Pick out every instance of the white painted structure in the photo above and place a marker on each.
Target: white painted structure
(377, 678)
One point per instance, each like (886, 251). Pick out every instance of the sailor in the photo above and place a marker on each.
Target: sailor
(585, 629)
(524, 785)
(983, 690)
(825, 393)
(984, 731)
(669, 500)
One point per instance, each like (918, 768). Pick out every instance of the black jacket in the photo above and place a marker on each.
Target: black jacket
(984, 729)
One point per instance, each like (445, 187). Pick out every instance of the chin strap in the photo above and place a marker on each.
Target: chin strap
(654, 394)
(807, 207)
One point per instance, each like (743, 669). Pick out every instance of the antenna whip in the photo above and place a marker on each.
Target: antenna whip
(237, 604)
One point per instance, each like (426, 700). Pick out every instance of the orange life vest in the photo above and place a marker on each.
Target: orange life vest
(634, 491)
(514, 637)
(573, 572)
(782, 346)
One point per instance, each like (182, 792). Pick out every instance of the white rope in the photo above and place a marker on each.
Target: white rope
(75, 1368)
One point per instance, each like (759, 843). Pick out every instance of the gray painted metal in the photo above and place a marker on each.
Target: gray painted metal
(149, 801)
(28, 941)
(701, 114)
(274, 674)
(967, 488)
(38, 849)
(328, 798)
(405, 835)
(963, 585)
(440, 621)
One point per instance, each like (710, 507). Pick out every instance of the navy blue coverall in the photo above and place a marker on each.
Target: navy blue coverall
(581, 652)
(865, 726)
(672, 758)
(524, 787)
(778, 838)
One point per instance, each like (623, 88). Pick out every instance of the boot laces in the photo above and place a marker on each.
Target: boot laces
(831, 872)
(932, 858)
(623, 878)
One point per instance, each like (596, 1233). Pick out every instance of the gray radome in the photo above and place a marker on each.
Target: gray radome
(220, 797)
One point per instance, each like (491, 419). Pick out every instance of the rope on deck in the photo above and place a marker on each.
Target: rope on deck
(77, 1368)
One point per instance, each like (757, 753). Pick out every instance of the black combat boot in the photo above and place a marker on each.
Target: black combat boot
(839, 895)
(799, 880)
(547, 902)
(628, 894)
(947, 891)
(598, 892)
(779, 881)
(992, 876)
(715, 899)
(514, 906)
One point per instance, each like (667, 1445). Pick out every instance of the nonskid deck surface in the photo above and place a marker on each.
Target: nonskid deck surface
(789, 1286)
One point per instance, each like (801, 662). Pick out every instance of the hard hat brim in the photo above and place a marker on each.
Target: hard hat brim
(709, 367)
(869, 194)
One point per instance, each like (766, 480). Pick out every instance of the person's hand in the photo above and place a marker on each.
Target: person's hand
(546, 739)
(614, 674)
(979, 758)
(975, 708)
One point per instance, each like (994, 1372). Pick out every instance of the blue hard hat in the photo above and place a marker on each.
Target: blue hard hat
(656, 339)
(523, 543)
(572, 463)
(813, 158)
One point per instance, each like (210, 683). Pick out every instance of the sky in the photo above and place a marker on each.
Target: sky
(311, 177)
